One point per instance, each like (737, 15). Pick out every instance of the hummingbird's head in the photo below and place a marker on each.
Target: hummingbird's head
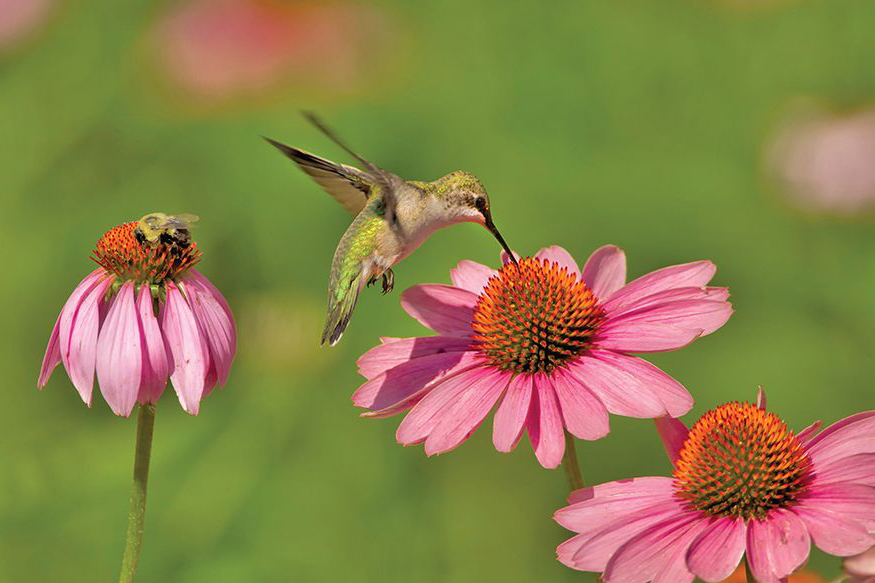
(465, 199)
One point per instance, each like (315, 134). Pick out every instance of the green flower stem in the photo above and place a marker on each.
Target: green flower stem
(570, 464)
(137, 514)
(748, 575)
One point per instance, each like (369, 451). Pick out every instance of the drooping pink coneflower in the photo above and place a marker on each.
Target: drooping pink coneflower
(743, 484)
(144, 315)
(546, 341)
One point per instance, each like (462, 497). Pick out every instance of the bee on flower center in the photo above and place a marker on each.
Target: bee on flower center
(170, 230)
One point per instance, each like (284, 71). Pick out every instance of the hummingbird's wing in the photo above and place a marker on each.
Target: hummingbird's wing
(349, 186)
(385, 181)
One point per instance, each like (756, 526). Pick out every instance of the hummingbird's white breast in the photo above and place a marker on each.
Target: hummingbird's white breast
(418, 216)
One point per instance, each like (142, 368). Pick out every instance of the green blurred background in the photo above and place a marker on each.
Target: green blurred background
(638, 123)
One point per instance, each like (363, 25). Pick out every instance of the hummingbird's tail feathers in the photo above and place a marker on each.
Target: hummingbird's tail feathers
(340, 311)
(349, 186)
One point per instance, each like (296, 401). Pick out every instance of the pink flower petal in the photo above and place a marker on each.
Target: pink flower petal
(674, 397)
(592, 549)
(156, 367)
(460, 421)
(188, 348)
(841, 425)
(605, 271)
(835, 533)
(715, 554)
(862, 565)
(777, 545)
(674, 564)
(193, 275)
(77, 333)
(850, 436)
(858, 469)
(597, 507)
(673, 434)
(645, 338)
(214, 373)
(663, 326)
(544, 424)
(658, 553)
(446, 310)
(120, 353)
(621, 393)
(630, 386)
(840, 517)
(856, 500)
(714, 294)
(471, 276)
(557, 254)
(510, 418)
(761, 398)
(809, 432)
(428, 413)
(52, 357)
(505, 258)
(695, 274)
(383, 357)
(67, 317)
(583, 413)
(400, 383)
(217, 326)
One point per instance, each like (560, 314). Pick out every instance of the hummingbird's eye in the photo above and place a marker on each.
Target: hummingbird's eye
(480, 203)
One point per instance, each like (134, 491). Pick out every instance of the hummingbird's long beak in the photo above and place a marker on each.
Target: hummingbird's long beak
(494, 230)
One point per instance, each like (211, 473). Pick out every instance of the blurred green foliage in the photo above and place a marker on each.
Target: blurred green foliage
(636, 123)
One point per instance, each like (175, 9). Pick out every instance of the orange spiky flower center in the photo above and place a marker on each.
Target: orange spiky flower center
(535, 316)
(739, 460)
(120, 252)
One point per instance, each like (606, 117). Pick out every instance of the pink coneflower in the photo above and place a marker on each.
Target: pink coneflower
(546, 341)
(743, 484)
(144, 315)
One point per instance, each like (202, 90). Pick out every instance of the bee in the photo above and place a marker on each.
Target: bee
(170, 230)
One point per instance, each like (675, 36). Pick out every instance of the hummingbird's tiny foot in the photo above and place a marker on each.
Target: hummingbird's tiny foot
(371, 281)
(388, 281)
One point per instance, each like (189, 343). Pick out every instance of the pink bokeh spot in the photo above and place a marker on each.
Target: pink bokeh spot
(449, 383)
(222, 48)
(824, 162)
(20, 18)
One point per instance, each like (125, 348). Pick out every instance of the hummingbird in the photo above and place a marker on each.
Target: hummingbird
(393, 217)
